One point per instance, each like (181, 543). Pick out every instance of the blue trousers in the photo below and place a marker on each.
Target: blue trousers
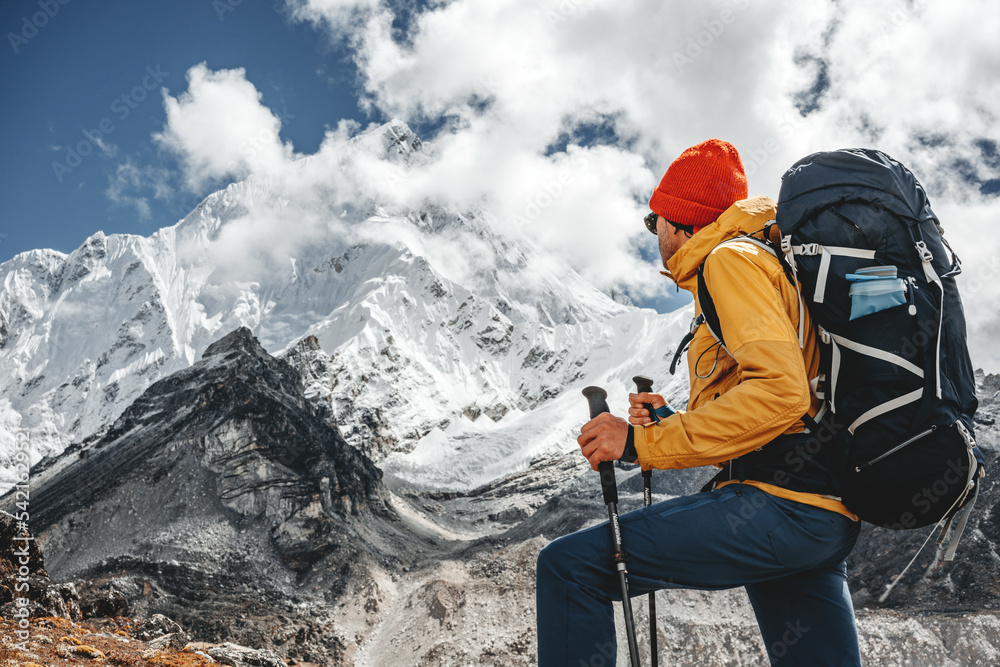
(789, 556)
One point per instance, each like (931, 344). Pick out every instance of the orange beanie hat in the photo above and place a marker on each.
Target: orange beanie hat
(700, 184)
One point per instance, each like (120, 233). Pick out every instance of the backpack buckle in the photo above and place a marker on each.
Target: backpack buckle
(923, 251)
(811, 249)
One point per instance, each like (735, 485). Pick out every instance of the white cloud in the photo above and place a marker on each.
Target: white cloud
(512, 78)
(917, 80)
(337, 16)
(219, 128)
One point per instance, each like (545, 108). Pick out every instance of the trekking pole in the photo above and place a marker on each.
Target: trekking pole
(644, 385)
(597, 398)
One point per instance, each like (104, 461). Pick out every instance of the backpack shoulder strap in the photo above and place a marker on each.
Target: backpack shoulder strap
(708, 308)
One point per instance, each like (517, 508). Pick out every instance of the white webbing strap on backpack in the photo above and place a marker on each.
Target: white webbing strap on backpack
(888, 406)
(836, 342)
(814, 387)
(963, 519)
(963, 515)
(786, 248)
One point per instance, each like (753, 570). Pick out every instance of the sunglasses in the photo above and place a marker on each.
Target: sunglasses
(650, 222)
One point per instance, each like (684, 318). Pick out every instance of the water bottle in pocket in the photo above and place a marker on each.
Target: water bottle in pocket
(875, 288)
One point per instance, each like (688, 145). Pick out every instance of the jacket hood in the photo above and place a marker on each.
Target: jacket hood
(743, 217)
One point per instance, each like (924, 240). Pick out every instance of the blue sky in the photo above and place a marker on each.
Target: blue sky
(91, 63)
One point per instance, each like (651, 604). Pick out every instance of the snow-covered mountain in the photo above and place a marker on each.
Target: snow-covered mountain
(449, 347)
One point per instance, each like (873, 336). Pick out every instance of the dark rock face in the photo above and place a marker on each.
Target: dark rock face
(234, 430)
(221, 497)
(103, 601)
(18, 548)
(23, 576)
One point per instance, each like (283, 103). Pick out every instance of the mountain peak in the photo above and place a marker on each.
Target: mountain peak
(240, 339)
(393, 141)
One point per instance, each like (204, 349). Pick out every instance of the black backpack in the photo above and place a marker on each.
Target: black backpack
(878, 279)
(861, 244)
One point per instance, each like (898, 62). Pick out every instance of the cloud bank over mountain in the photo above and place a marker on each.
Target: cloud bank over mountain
(561, 116)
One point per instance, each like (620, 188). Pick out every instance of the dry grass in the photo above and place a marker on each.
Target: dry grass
(180, 659)
(57, 642)
(120, 660)
(88, 652)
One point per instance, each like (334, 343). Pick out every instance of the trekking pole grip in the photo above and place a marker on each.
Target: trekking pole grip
(597, 398)
(644, 385)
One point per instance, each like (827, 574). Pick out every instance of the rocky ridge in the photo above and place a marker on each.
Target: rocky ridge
(221, 493)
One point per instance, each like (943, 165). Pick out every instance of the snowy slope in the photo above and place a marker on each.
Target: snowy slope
(429, 325)
(464, 395)
(86, 333)
(463, 388)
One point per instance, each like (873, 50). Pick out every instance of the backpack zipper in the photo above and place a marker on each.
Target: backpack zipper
(896, 449)
(843, 217)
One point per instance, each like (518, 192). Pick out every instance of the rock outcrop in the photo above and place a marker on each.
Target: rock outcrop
(221, 498)
(23, 577)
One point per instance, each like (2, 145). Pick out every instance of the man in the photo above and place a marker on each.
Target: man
(770, 524)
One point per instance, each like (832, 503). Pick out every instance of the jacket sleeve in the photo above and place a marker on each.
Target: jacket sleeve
(773, 392)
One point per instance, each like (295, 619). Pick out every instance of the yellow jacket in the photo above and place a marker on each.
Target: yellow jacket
(741, 402)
